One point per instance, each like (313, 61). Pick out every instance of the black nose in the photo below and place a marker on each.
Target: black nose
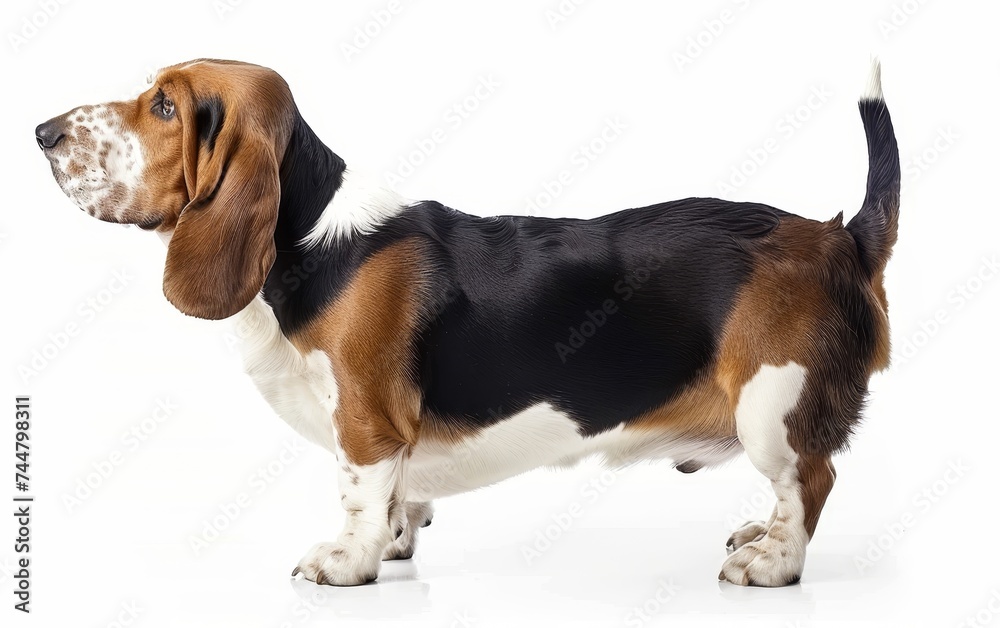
(49, 133)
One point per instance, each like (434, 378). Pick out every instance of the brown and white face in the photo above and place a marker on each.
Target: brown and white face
(197, 155)
(120, 161)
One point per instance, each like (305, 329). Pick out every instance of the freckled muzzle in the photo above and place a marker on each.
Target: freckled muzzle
(96, 162)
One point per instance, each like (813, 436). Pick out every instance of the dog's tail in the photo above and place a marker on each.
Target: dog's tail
(874, 227)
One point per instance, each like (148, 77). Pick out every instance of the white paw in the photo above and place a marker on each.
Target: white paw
(765, 563)
(749, 532)
(337, 564)
(403, 547)
(418, 515)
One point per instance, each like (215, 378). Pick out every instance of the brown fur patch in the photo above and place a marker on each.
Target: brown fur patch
(443, 430)
(702, 411)
(883, 348)
(808, 301)
(367, 333)
(816, 477)
(778, 312)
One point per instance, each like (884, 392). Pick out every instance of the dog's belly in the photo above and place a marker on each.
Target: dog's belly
(542, 436)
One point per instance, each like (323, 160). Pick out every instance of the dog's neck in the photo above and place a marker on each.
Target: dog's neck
(326, 216)
(310, 176)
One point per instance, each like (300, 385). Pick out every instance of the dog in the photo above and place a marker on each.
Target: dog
(436, 352)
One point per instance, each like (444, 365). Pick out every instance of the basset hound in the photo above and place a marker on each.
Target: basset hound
(435, 352)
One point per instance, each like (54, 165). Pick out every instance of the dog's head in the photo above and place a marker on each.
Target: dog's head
(198, 155)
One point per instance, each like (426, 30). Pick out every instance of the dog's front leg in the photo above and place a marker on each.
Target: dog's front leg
(375, 517)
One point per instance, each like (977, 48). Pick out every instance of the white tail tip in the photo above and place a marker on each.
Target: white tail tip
(873, 89)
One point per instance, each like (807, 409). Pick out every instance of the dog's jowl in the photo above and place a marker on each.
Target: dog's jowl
(435, 352)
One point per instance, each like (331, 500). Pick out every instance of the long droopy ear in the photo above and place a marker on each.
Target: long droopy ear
(223, 244)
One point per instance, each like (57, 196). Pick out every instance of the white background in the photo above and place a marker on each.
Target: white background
(652, 531)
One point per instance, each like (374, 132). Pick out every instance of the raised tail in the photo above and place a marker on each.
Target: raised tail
(874, 227)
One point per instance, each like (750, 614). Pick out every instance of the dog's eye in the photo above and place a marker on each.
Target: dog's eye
(162, 107)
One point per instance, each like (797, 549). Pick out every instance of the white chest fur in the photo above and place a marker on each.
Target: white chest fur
(300, 388)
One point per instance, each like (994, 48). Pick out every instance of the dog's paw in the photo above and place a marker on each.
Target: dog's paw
(418, 515)
(403, 547)
(764, 563)
(750, 531)
(405, 541)
(337, 564)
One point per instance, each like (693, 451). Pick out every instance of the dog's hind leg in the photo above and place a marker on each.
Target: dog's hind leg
(801, 480)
